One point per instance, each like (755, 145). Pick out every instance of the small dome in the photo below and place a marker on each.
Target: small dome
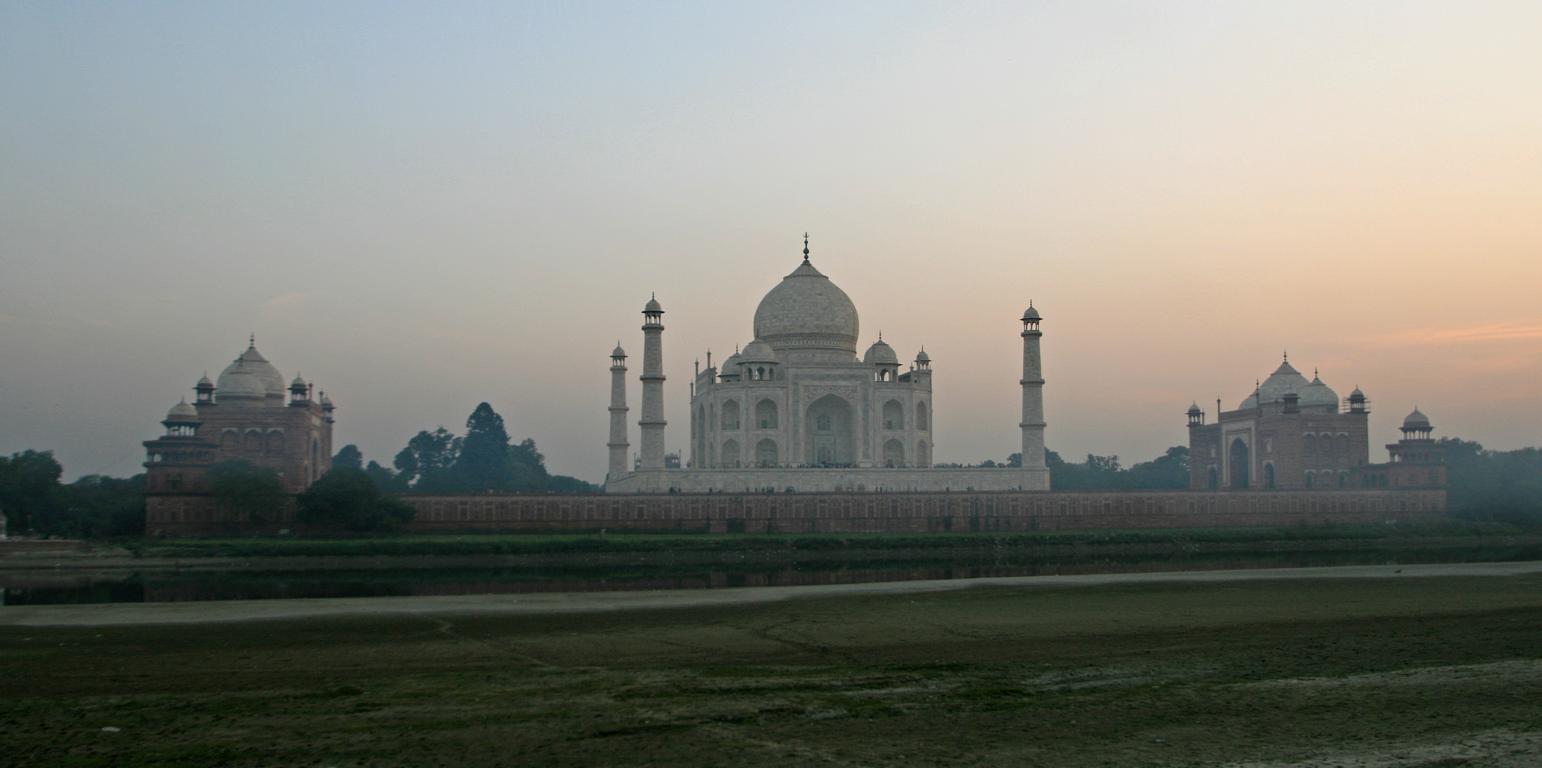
(1318, 393)
(1194, 409)
(182, 412)
(653, 305)
(298, 383)
(922, 357)
(1416, 420)
(326, 402)
(730, 367)
(1356, 394)
(1030, 313)
(204, 383)
(618, 352)
(757, 351)
(880, 354)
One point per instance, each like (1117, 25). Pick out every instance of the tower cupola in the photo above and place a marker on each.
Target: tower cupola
(653, 313)
(1031, 318)
(182, 420)
(204, 390)
(1357, 401)
(1416, 426)
(1196, 416)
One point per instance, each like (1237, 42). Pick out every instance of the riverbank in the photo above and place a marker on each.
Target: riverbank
(1434, 665)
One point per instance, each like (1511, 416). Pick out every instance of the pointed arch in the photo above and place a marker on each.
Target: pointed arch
(766, 453)
(765, 414)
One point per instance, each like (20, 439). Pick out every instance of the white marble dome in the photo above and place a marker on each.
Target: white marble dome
(757, 351)
(182, 411)
(808, 311)
(250, 378)
(880, 354)
(1285, 379)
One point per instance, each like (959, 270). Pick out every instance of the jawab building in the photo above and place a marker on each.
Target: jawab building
(796, 409)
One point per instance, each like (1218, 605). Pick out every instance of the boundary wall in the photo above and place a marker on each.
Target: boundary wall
(852, 512)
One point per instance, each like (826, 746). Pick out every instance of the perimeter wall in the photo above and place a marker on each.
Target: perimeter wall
(853, 512)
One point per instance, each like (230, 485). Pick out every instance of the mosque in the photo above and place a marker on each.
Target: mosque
(796, 409)
(1294, 434)
(248, 415)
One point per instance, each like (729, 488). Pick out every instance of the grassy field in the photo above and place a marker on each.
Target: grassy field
(1405, 672)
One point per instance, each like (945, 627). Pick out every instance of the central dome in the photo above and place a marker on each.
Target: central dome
(808, 312)
(251, 379)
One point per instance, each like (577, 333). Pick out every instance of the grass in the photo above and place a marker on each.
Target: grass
(522, 544)
(1430, 671)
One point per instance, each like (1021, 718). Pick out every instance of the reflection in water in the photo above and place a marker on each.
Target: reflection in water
(178, 586)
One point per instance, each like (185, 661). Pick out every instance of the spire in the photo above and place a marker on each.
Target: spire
(1286, 355)
(805, 247)
(251, 341)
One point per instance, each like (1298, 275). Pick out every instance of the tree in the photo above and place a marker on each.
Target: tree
(1170, 471)
(1503, 486)
(384, 479)
(528, 467)
(484, 460)
(426, 463)
(347, 499)
(348, 457)
(100, 506)
(254, 492)
(30, 495)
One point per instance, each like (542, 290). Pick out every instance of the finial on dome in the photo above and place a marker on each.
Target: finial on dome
(1286, 355)
(805, 246)
(251, 341)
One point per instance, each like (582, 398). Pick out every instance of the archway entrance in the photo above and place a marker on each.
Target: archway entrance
(1240, 459)
(894, 454)
(828, 427)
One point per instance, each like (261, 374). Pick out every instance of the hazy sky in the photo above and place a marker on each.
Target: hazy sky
(425, 205)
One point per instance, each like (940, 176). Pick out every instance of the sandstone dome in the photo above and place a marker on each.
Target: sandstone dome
(808, 312)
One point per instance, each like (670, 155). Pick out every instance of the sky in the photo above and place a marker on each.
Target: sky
(422, 206)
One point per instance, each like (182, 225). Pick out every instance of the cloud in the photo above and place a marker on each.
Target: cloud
(284, 300)
(1490, 332)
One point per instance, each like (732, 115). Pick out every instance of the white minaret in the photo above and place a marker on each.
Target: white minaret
(1033, 392)
(652, 421)
(618, 445)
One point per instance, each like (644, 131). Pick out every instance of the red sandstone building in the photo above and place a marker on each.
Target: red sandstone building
(248, 416)
(1292, 434)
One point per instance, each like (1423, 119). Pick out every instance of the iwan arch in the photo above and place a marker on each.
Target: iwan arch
(796, 410)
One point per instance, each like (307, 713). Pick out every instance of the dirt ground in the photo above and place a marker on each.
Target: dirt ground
(1379, 668)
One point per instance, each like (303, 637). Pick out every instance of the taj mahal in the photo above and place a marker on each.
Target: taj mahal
(796, 409)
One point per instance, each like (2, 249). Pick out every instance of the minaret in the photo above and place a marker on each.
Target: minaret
(618, 445)
(652, 421)
(1033, 392)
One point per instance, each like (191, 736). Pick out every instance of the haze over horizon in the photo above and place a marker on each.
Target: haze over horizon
(422, 207)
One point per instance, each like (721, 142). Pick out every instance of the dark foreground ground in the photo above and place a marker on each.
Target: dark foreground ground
(1390, 671)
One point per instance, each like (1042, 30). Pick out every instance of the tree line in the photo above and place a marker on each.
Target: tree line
(1483, 485)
